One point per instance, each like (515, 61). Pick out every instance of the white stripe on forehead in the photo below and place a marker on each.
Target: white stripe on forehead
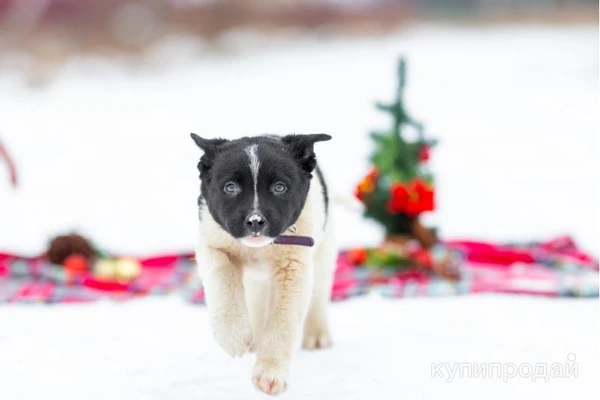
(254, 166)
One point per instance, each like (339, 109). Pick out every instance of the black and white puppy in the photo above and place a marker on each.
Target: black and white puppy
(260, 294)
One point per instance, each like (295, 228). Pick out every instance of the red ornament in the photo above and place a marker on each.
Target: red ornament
(424, 153)
(411, 199)
(358, 194)
(357, 256)
(426, 195)
(373, 174)
(399, 198)
(422, 258)
(413, 207)
(367, 186)
(76, 263)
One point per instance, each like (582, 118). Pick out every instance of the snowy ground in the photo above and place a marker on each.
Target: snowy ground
(105, 148)
(162, 349)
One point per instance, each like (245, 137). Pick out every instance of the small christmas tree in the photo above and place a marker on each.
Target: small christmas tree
(399, 187)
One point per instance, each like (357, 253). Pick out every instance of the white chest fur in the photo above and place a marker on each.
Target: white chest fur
(260, 272)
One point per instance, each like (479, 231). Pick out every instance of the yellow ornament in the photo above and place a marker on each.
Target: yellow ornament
(105, 269)
(127, 269)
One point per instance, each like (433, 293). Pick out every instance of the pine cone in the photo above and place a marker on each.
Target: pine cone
(62, 247)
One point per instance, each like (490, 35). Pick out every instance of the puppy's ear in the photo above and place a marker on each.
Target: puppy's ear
(210, 148)
(207, 145)
(302, 148)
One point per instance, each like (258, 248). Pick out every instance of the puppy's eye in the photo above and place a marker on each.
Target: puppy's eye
(231, 188)
(279, 188)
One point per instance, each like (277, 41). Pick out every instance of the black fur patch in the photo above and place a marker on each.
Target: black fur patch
(325, 192)
(289, 160)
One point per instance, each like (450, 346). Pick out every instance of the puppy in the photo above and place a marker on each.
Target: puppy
(260, 294)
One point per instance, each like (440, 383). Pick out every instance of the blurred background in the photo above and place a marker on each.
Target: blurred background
(98, 97)
(40, 36)
(97, 101)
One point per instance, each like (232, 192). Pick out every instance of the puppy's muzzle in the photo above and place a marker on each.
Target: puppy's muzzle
(255, 224)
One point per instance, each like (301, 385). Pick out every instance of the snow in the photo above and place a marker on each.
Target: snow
(162, 349)
(105, 149)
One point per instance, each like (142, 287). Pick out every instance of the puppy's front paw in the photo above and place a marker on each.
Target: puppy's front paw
(269, 378)
(233, 335)
(316, 337)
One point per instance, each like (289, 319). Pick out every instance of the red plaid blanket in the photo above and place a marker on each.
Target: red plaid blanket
(24, 280)
(554, 268)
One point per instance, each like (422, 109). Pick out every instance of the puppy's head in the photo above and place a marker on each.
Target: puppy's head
(255, 188)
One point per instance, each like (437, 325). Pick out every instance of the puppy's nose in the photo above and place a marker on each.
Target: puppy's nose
(256, 222)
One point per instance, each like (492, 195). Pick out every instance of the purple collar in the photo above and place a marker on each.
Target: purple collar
(295, 240)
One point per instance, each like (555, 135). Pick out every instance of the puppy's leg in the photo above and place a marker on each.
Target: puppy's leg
(290, 294)
(316, 327)
(222, 280)
(257, 294)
